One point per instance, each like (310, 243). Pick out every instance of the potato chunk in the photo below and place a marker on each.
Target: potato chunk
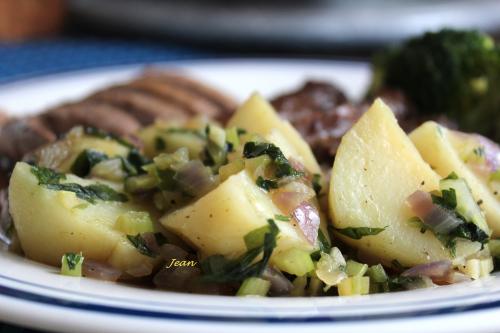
(51, 222)
(376, 168)
(217, 223)
(440, 148)
(256, 115)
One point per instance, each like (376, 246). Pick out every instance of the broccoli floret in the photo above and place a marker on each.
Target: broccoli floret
(450, 72)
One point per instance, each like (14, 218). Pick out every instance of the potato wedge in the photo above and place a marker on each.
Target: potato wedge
(217, 223)
(256, 115)
(440, 148)
(50, 223)
(376, 168)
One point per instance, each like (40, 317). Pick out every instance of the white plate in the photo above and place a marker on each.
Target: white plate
(35, 295)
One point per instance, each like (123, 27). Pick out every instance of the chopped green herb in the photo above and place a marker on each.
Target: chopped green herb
(47, 176)
(266, 184)
(50, 179)
(140, 244)
(90, 193)
(93, 131)
(400, 283)
(218, 269)
(283, 218)
(86, 160)
(324, 244)
(316, 183)
(360, 232)
(283, 166)
(397, 265)
(71, 264)
(160, 144)
(138, 160)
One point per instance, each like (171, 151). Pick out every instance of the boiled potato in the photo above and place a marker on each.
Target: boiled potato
(50, 223)
(61, 154)
(376, 168)
(440, 148)
(217, 223)
(256, 115)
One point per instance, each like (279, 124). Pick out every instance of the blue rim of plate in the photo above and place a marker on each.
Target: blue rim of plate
(115, 310)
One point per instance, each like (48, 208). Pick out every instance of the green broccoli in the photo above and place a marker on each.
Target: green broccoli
(456, 73)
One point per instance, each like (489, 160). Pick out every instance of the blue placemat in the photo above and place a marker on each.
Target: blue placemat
(22, 60)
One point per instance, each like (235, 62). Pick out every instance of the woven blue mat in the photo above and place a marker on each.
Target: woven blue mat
(18, 61)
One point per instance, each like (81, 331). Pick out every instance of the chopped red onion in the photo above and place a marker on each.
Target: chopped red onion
(176, 278)
(307, 217)
(290, 196)
(195, 178)
(280, 285)
(150, 241)
(98, 270)
(437, 218)
(435, 270)
(171, 251)
(143, 269)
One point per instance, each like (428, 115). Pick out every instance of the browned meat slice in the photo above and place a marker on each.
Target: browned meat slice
(144, 107)
(225, 104)
(20, 135)
(103, 116)
(321, 113)
(185, 98)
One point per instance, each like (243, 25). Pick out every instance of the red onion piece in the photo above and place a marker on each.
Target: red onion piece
(195, 178)
(290, 196)
(456, 277)
(98, 270)
(437, 218)
(176, 278)
(307, 217)
(143, 269)
(438, 270)
(280, 285)
(171, 251)
(150, 241)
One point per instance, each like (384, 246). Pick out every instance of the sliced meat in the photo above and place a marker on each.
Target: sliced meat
(142, 106)
(185, 98)
(226, 104)
(21, 135)
(321, 113)
(103, 116)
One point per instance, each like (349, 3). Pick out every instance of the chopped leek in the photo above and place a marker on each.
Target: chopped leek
(299, 286)
(232, 137)
(141, 183)
(294, 261)
(355, 285)
(217, 135)
(330, 268)
(133, 223)
(377, 273)
(354, 268)
(71, 264)
(254, 286)
(230, 169)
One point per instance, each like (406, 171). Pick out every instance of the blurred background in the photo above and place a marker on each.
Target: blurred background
(41, 36)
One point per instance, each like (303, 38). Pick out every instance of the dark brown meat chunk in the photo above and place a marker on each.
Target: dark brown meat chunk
(321, 113)
(222, 102)
(103, 116)
(20, 135)
(142, 106)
